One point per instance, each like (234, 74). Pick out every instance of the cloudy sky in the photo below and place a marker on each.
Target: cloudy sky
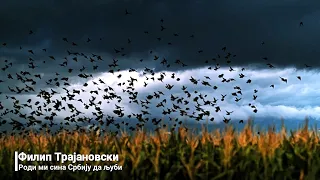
(254, 33)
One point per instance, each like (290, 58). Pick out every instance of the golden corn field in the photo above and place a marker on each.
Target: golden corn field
(225, 154)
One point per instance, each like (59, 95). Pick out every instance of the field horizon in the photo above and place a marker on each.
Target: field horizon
(258, 124)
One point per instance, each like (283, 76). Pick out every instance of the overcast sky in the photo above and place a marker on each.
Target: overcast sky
(255, 33)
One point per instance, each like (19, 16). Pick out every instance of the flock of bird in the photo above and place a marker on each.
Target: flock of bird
(43, 113)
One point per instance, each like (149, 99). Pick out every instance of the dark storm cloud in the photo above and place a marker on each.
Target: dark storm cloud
(239, 25)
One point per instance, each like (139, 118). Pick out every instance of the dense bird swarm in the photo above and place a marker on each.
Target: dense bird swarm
(61, 97)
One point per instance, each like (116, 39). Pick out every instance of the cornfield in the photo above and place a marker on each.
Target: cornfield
(225, 154)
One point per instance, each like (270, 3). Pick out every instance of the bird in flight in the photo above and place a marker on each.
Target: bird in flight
(284, 79)
(128, 13)
(307, 66)
(301, 23)
(299, 77)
